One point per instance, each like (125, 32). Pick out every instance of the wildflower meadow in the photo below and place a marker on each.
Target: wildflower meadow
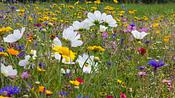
(88, 49)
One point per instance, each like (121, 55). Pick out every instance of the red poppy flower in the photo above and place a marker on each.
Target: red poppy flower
(80, 80)
(142, 51)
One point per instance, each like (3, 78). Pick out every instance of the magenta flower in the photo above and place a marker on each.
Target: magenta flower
(122, 95)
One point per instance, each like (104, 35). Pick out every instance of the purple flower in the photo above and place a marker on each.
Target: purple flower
(144, 29)
(20, 47)
(122, 41)
(114, 35)
(38, 25)
(130, 28)
(25, 75)
(2, 49)
(141, 67)
(132, 25)
(63, 93)
(105, 35)
(10, 90)
(42, 65)
(156, 64)
(13, 8)
(21, 54)
(109, 63)
(147, 42)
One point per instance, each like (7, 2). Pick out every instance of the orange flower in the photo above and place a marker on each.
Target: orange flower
(12, 51)
(41, 89)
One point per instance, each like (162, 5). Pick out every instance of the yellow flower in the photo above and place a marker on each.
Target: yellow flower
(3, 54)
(5, 29)
(46, 18)
(76, 3)
(145, 18)
(155, 25)
(97, 1)
(132, 11)
(121, 13)
(71, 7)
(76, 83)
(110, 8)
(40, 69)
(48, 93)
(4, 97)
(157, 31)
(136, 18)
(21, 11)
(115, 1)
(30, 18)
(12, 51)
(65, 52)
(96, 48)
(119, 81)
(88, 2)
(94, 8)
(166, 38)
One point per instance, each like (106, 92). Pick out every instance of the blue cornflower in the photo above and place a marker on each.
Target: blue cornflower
(63, 93)
(2, 49)
(141, 67)
(132, 24)
(156, 64)
(10, 90)
(114, 35)
(13, 8)
(21, 54)
(20, 47)
(42, 65)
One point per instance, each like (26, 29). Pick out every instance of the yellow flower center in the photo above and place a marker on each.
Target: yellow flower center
(65, 52)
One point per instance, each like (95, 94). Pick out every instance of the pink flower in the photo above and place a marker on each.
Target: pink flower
(122, 95)
(109, 97)
(142, 74)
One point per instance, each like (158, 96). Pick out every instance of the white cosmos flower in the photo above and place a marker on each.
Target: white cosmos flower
(96, 16)
(80, 25)
(138, 35)
(103, 28)
(25, 61)
(109, 20)
(73, 37)
(17, 34)
(8, 71)
(86, 62)
(57, 42)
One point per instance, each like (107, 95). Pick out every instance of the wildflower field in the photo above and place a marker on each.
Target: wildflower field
(87, 50)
